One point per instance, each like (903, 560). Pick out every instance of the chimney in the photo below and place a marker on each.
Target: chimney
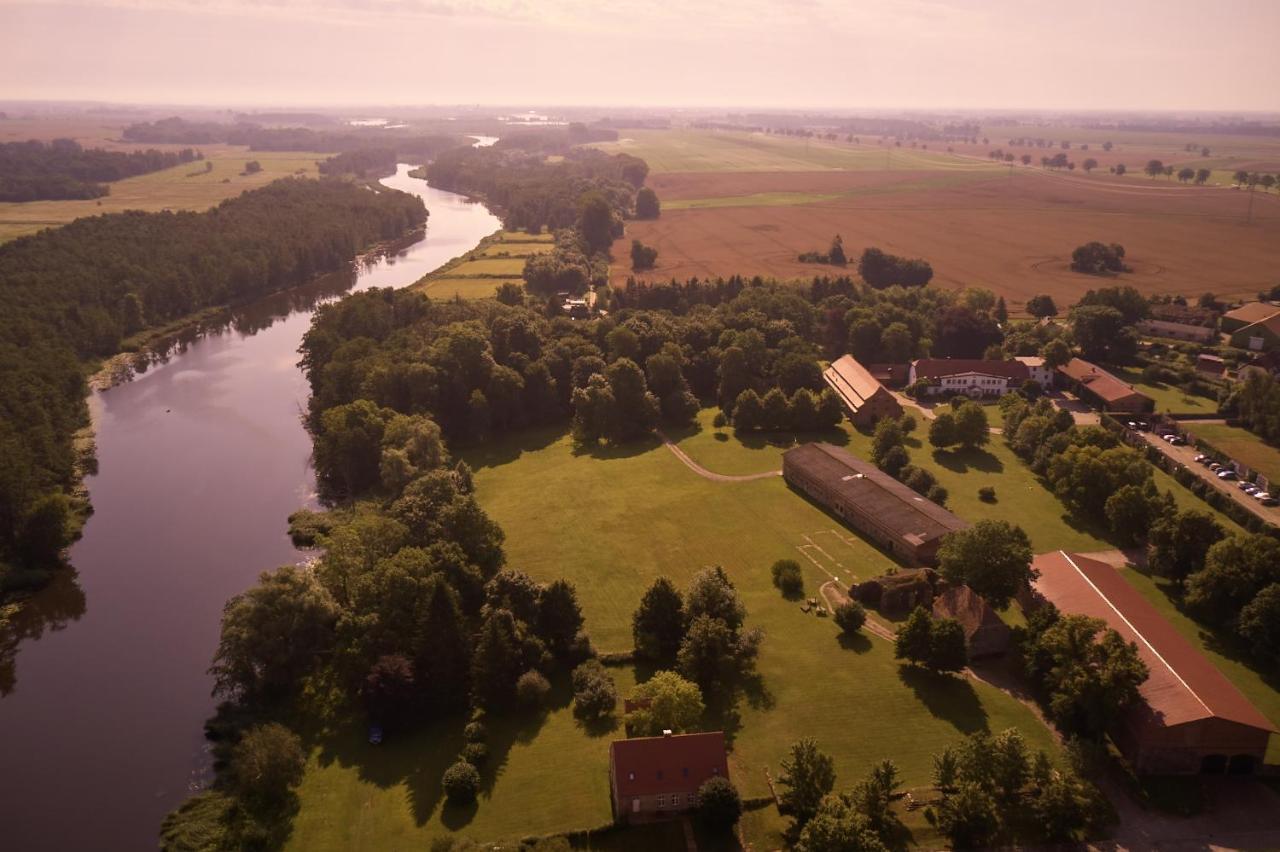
(666, 732)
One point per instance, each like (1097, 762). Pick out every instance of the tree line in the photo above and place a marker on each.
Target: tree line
(74, 293)
(63, 169)
(178, 131)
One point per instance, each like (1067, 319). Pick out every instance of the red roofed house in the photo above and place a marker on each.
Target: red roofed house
(866, 399)
(1191, 718)
(659, 776)
(1092, 383)
(975, 377)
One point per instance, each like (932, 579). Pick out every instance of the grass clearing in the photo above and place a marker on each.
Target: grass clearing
(465, 288)
(725, 150)
(492, 267)
(184, 187)
(520, 250)
(1242, 445)
(1170, 399)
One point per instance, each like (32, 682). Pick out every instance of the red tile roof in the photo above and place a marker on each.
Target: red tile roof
(937, 368)
(1183, 685)
(1106, 386)
(681, 763)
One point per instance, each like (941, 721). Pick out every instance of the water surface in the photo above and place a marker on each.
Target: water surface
(202, 456)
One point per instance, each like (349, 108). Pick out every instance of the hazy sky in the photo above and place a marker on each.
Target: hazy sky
(1149, 54)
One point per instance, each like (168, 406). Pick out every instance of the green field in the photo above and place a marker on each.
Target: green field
(1169, 398)
(503, 267)
(465, 288)
(183, 187)
(738, 151)
(1242, 445)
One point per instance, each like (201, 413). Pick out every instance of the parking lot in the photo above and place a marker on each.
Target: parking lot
(1185, 455)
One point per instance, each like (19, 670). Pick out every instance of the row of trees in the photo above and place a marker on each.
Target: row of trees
(991, 790)
(63, 169)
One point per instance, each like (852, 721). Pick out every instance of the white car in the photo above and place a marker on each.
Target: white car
(1247, 487)
(1226, 474)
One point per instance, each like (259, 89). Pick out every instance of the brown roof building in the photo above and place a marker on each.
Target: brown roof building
(660, 776)
(869, 500)
(1247, 314)
(866, 399)
(1096, 385)
(1191, 718)
(984, 633)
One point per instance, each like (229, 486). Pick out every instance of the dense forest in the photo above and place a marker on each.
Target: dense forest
(551, 140)
(62, 169)
(177, 131)
(532, 193)
(74, 293)
(364, 163)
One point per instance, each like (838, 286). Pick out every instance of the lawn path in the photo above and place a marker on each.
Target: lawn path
(711, 475)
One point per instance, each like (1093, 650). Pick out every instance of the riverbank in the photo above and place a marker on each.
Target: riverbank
(498, 259)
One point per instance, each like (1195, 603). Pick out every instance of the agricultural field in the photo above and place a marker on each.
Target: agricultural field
(737, 203)
(1242, 445)
(184, 187)
(498, 259)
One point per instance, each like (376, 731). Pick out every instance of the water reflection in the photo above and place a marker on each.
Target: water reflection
(202, 456)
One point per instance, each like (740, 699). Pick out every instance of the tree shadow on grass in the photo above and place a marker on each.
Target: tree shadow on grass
(502, 450)
(952, 699)
(855, 642)
(964, 460)
(610, 452)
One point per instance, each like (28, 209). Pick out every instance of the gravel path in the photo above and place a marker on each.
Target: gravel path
(713, 476)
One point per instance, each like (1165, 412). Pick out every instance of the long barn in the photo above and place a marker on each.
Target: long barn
(871, 501)
(1191, 718)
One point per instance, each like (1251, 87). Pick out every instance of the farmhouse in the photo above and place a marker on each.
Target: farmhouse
(985, 634)
(660, 776)
(973, 376)
(869, 500)
(1261, 336)
(1092, 383)
(866, 399)
(1191, 718)
(1175, 330)
(1246, 315)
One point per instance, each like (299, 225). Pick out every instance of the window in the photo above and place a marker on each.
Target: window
(662, 801)
(693, 800)
(659, 774)
(685, 772)
(631, 776)
(675, 800)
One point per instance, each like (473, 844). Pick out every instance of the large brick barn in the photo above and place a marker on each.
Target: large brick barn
(869, 500)
(1191, 718)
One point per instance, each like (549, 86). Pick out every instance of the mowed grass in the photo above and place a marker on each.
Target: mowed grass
(1169, 399)
(520, 250)
(614, 520)
(494, 267)
(1242, 445)
(545, 774)
(465, 288)
(964, 173)
(715, 151)
(183, 187)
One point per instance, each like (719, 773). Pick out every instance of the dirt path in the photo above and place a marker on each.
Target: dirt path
(713, 476)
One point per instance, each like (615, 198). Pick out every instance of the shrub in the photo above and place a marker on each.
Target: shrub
(719, 805)
(788, 577)
(938, 494)
(477, 754)
(475, 732)
(720, 421)
(850, 616)
(461, 783)
(987, 494)
(532, 689)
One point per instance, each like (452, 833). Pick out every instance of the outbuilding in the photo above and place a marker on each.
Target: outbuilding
(864, 397)
(871, 501)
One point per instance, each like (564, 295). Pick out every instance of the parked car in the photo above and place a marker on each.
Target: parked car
(1177, 440)
(1262, 496)
(1269, 501)
(1247, 487)
(1226, 474)
(1215, 467)
(1201, 458)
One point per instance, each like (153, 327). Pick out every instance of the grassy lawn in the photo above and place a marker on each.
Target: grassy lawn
(738, 151)
(466, 288)
(643, 514)
(1169, 399)
(545, 774)
(184, 187)
(510, 249)
(1242, 445)
(495, 267)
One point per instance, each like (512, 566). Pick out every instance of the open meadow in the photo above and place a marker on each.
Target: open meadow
(1242, 445)
(498, 259)
(1011, 229)
(184, 187)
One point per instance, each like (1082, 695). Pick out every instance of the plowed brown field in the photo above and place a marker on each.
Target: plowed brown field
(1013, 235)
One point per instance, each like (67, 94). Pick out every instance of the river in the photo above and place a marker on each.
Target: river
(202, 456)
